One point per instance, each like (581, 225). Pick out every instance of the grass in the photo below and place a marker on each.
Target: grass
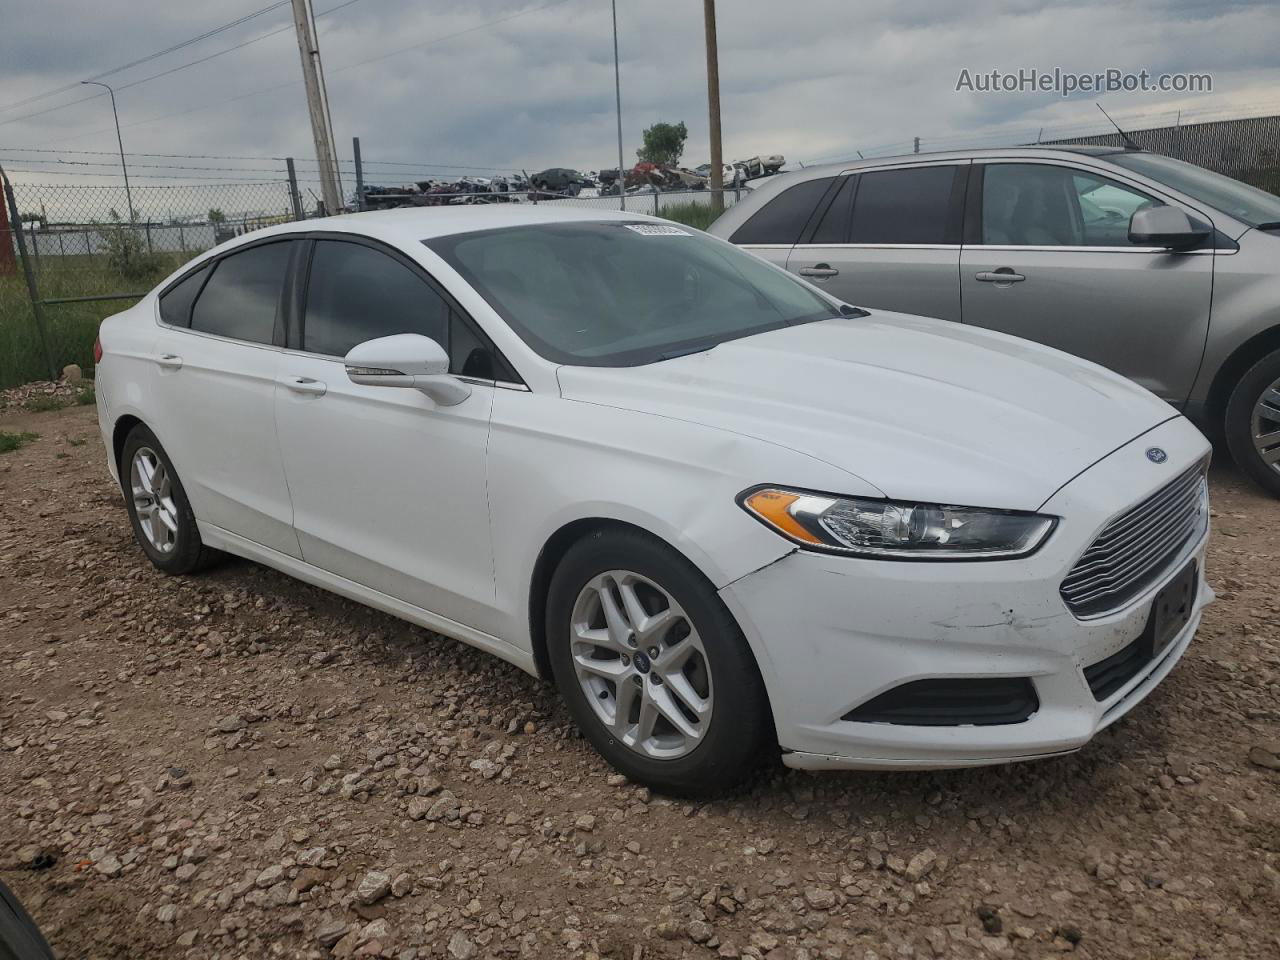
(77, 441)
(696, 215)
(45, 404)
(86, 397)
(15, 441)
(71, 326)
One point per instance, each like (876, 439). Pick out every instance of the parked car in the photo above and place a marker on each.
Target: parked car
(560, 180)
(726, 513)
(1161, 270)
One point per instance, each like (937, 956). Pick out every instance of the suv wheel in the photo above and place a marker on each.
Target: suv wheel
(653, 667)
(1253, 423)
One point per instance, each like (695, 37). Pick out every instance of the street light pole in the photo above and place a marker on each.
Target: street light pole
(617, 95)
(128, 195)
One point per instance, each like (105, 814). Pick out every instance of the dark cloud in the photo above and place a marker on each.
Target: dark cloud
(809, 78)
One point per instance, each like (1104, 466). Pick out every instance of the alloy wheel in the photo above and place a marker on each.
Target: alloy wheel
(1266, 426)
(641, 665)
(152, 490)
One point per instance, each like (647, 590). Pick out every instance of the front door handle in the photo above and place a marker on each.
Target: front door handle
(305, 385)
(820, 271)
(170, 361)
(1001, 275)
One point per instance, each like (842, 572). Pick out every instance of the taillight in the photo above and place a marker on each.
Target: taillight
(97, 350)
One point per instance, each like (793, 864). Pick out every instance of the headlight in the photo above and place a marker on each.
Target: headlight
(897, 530)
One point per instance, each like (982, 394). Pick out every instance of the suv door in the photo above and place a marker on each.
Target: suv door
(389, 488)
(221, 327)
(890, 238)
(1047, 257)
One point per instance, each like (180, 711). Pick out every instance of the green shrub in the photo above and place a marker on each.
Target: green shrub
(697, 215)
(42, 404)
(126, 245)
(15, 441)
(86, 396)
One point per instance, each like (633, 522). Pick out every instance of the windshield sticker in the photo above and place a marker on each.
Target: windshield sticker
(657, 230)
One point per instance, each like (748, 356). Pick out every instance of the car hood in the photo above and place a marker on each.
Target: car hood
(920, 409)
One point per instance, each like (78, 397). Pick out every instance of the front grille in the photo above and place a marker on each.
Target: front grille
(1137, 547)
(951, 702)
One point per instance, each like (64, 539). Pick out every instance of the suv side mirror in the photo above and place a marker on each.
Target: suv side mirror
(1165, 226)
(406, 360)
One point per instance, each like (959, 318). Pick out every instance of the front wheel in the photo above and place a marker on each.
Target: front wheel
(653, 667)
(1253, 423)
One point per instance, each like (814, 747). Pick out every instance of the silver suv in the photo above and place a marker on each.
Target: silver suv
(1161, 270)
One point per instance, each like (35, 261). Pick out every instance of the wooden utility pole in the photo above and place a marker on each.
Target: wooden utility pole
(318, 106)
(713, 106)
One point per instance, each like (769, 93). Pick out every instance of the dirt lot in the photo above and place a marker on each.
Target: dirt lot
(238, 765)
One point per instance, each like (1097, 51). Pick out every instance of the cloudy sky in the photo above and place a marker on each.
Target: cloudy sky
(509, 84)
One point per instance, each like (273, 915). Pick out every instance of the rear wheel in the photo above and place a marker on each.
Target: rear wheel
(163, 523)
(653, 667)
(1253, 423)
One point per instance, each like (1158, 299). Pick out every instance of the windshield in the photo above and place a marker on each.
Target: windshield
(614, 293)
(1247, 204)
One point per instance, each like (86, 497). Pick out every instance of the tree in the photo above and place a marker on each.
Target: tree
(663, 143)
(216, 215)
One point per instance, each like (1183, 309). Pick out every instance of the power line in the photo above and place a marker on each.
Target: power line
(153, 56)
(359, 63)
(171, 70)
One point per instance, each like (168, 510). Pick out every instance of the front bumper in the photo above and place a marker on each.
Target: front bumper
(832, 632)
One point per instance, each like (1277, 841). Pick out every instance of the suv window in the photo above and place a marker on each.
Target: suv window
(242, 297)
(782, 218)
(903, 206)
(175, 303)
(356, 293)
(1035, 204)
(834, 225)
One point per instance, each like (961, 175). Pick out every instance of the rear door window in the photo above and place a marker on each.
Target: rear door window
(909, 206)
(781, 220)
(242, 298)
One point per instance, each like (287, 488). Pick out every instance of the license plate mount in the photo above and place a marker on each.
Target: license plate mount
(1171, 610)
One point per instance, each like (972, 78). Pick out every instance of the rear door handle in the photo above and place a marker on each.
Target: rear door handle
(305, 385)
(820, 271)
(1002, 275)
(170, 361)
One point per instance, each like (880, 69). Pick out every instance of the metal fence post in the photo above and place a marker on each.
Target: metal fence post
(355, 146)
(37, 309)
(294, 198)
(655, 203)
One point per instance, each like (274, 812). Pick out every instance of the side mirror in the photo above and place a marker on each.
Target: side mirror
(1166, 226)
(406, 360)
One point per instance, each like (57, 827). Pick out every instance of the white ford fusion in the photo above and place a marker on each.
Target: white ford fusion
(726, 514)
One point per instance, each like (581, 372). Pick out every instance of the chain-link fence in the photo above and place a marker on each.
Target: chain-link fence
(91, 250)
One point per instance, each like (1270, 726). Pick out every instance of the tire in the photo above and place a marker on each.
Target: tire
(1258, 389)
(729, 741)
(162, 520)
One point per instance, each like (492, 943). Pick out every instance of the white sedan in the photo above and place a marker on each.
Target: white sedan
(726, 514)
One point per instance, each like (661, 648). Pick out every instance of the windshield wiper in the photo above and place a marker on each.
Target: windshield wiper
(671, 355)
(1269, 225)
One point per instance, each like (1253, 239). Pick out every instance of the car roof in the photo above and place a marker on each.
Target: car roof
(408, 225)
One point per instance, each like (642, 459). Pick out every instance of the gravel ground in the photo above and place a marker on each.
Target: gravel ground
(238, 765)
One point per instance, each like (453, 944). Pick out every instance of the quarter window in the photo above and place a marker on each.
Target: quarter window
(242, 298)
(834, 225)
(175, 303)
(781, 219)
(1035, 204)
(356, 293)
(908, 206)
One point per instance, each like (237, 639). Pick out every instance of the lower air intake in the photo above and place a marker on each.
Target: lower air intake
(952, 702)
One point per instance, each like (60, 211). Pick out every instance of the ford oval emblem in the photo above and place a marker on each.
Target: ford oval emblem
(1156, 455)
